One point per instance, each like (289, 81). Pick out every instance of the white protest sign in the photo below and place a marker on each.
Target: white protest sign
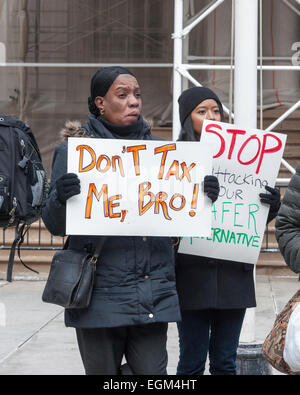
(244, 161)
(137, 187)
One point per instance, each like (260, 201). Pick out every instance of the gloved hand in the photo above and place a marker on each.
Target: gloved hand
(67, 186)
(211, 187)
(273, 199)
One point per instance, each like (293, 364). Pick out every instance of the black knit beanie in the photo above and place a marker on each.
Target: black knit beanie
(101, 82)
(192, 97)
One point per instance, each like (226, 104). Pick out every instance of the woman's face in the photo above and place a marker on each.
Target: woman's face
(208, 109)
(122, 103)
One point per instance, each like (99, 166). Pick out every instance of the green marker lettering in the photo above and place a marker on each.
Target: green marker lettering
(237, 213)
(227, 235)
(216, 232)
(255, 240)
(251, 215)
(223, 210)
(232, 236)
(214, 211)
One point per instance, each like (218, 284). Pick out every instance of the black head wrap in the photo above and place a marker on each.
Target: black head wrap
(101, 82)
(188, 101)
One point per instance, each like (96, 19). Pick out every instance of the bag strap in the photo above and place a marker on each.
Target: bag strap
(20, 233)
(20, 242)
(97, 251)
(99, 248)
(66, 244)
(12, 256)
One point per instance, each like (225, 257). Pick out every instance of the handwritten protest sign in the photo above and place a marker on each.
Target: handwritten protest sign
(152, 188)
(244, 161)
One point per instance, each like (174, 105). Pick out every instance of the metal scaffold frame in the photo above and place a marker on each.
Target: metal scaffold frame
(181, 71)
(245, 18)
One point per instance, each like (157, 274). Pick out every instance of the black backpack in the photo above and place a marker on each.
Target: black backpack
(23, 181)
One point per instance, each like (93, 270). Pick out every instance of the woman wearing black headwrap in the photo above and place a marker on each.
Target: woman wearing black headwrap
(213, 293)
(134, 294)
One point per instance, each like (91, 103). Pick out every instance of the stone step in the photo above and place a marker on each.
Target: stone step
(269, 239)
(272, 263)
(34, 237)
(38, 260)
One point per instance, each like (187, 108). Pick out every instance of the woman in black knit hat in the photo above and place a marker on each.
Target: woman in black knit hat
(213, 293)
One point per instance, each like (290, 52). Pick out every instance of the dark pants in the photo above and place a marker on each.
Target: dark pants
(144, 347)
(214, 331)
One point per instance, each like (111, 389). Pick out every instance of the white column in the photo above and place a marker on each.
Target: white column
(185, 44)
(177, 79)
(245, 76)
(245, 95)
(2, 52)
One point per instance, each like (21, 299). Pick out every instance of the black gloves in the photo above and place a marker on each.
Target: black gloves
(273, 199)
(67, 186)
(211, 187)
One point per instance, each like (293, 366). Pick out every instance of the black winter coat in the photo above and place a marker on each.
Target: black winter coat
(208, 283)
(135, 278)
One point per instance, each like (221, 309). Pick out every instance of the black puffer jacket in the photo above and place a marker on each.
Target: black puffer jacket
(135, 279)
(288, 224)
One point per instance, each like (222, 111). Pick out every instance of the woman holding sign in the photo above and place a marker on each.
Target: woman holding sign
(134, 295)
(213, 293)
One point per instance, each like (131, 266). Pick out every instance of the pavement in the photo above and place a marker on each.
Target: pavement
(35, 341)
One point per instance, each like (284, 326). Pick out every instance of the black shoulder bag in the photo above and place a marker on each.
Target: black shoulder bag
(71, 278)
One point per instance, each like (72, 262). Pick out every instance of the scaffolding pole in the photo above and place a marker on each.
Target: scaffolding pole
(177, 79)
(245, 95)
